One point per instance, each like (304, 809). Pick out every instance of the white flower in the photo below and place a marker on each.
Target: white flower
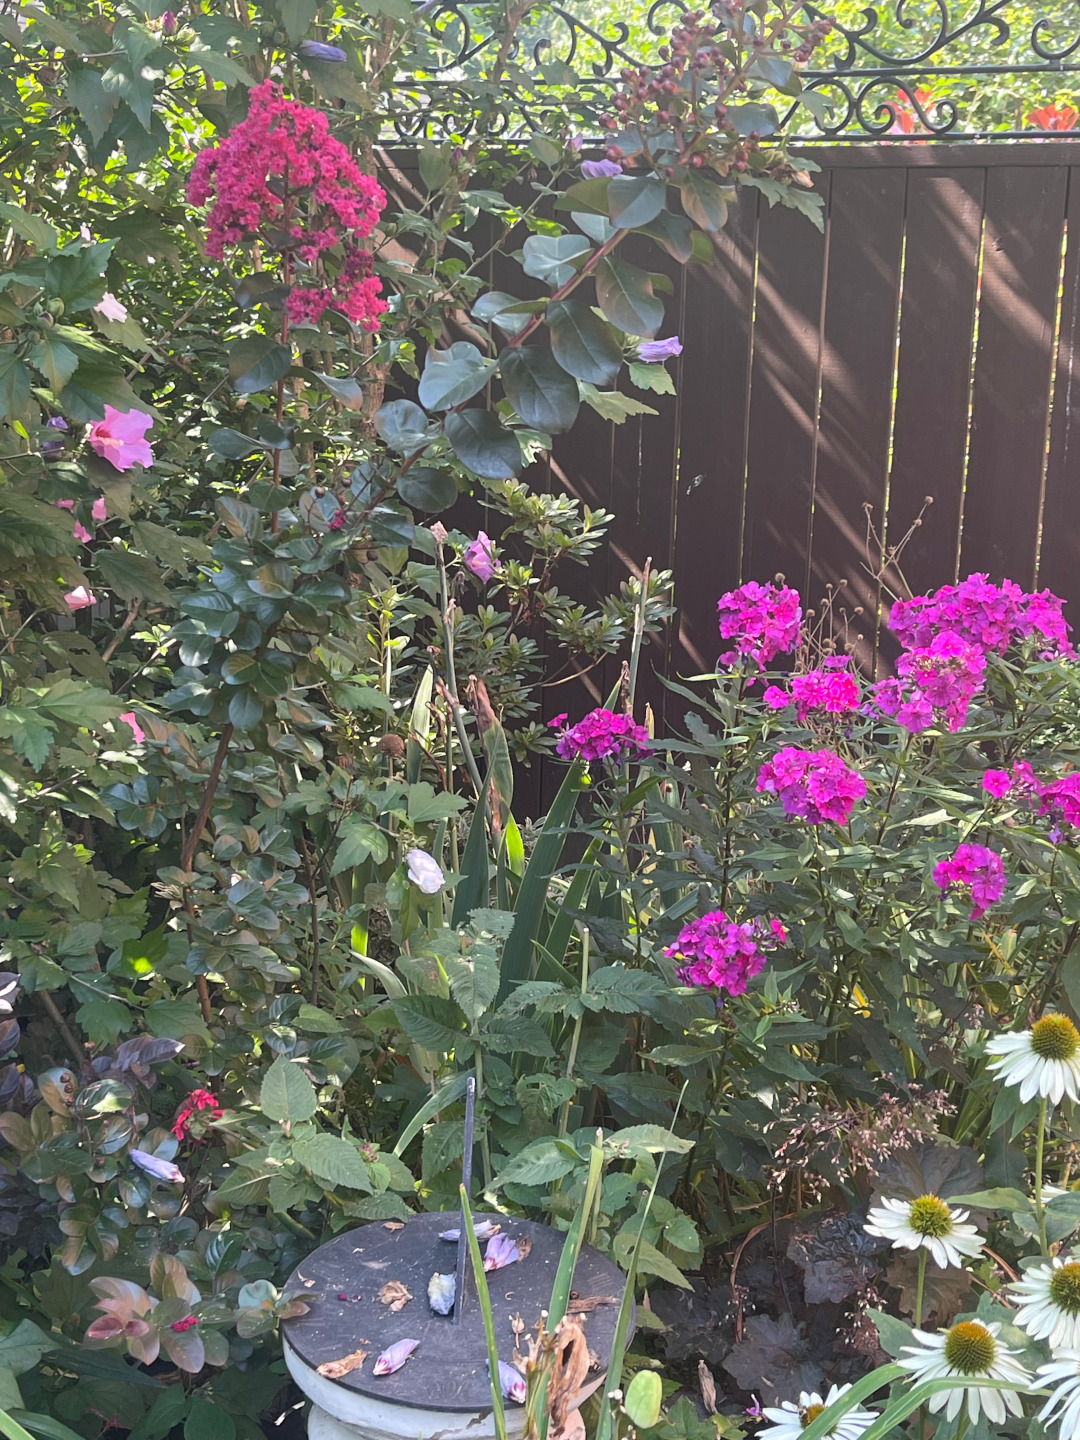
(109, 308)
(1064, 1403)
(424, 872)
(1049, 1303)
(925, 1224)
(1043, 1061)
(971, 1352)
(789, 1420)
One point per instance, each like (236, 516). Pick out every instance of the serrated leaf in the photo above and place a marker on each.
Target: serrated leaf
(538, 1164)
(430, 1021)
(474, 979)
(359, 840)
(287, 1095)
(334, 1160)
(615, 406)
(34, 228)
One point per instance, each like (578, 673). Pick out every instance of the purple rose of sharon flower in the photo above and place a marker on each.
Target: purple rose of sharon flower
(316, 50)
(161, 1169)
(599, 169)
(394, 1358)
(652, 350)
(511, 1383)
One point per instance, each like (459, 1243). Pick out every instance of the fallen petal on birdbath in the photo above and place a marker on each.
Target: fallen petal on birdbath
(501, 1251)
(395, 1294)
(394, 1358)
(482, 1229)
(335, 1369)
(511, 1383)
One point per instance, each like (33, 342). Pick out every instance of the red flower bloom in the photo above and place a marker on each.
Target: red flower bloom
(197, 1100)
(1054, 117)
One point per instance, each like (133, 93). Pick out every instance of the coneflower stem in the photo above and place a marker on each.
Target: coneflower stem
(920, 1286)
(1040, 1208)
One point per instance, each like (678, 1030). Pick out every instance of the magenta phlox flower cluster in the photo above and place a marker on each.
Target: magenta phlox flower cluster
(989, 616)
(280, 158)
(1060, 799)
(979, 870)
(937, 681)
(812, 785)
(831, 690)
(761, 621)
(719, 954)
(604, 735)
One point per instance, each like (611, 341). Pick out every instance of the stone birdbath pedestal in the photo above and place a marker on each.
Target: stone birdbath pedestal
(442, 1391)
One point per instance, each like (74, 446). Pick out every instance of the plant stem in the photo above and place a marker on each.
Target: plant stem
(920, 1286)
(564, 1114)
(187, 854)
(1040, 1209)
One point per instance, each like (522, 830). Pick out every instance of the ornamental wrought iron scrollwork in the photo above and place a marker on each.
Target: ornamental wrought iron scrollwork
(903, 70)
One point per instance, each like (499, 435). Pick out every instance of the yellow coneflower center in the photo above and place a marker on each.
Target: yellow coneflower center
(1065, 1288)
(930, 1217)
(970, 1348)
(1055, 1037)
(810, 1414)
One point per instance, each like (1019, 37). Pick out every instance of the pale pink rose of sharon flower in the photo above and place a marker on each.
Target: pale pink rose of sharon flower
(119, 438)
(81, 533)
(130, 720)
(109, 308)
(480, 558)
(425, 873)
(80, 598)
(98, 513)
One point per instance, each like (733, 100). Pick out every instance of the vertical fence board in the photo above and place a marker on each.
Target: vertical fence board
(784, 392)
(715, 392)
(1059, 561)
(867, 227)
(944, 219)
(1025, 209)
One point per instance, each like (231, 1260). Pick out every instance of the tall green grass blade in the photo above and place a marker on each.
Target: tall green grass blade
(515, 848)
(471, 892)
(482, 1294)
(518, 954)
(419, 727)
(12, 1429)
(453, 1090)
(562, 927)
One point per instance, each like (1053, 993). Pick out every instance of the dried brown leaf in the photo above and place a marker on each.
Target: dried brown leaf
(335, 1369)
(589, 1303)
(396, 1295)
(569, 1371)
(394, 1225)
(708, 1387)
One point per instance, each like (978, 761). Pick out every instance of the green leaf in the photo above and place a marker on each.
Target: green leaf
(582, 343)
(705, 202)
(166, 1411)
(452, 1091)
(634, 201)
(246, 708)
(509, 313)
(80, 704)
(625, 295)
(745, 118)
(430, 1021)
(539, 389)
(453, 376)
(637, 1140)
(474, 979)
(674, 233)
(648, 376)
(217, 66)
(538, 1164)
(548, 257)
(296, 16)
(483, 444)
(443, 1144)
(335, 1161)
(14, 384)
(56, 361)
(131, 576)
(78, 277)
(649, 1260)
(207, 1421)
(403, 425)
(425, 805)
(34, 228)
(587, 195)
(643, 1397)
(176, 1019)
(1002, 1197)
(287, 1095)
(44, 1427)
(427, 490)
(231, 445)
(615, 406)
(359, 840)
(257, 363)
(22, 1349)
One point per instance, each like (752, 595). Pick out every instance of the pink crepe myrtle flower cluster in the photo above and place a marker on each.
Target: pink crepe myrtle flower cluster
(832, 689)
(480, 557)
(719, 954)
(282, 152)
(762, 621)
(603, 735)
(812, 785)
(989, 616)
(977, 869)
(934, 682)
(120, 438)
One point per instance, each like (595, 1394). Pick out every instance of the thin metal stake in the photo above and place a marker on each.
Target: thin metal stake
(466, 1180)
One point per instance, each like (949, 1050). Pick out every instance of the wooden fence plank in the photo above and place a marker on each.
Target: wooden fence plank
(865, 247)
(1025, 208)
(944, 220)
(784, 375)
(1059, 559)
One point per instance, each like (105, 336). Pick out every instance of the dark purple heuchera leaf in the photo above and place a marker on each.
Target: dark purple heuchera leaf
(16, 1090)
(394, 1358)
(10, 1035)
(773, 1359)
(137, 1058)
(946, 1293)
(836, 1257)
(932, 1168)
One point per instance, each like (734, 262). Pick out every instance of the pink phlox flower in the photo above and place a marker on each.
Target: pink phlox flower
(832, 689)
(131, 721)
(979, 870)
(558, 720)
(720, 954)
(775, 698)
(480, 557)
(812, 785)
(80, 598)
(989, 616)
(997, 783)
(604, 735)
(763, 621)
(936, 681)
(1060, 799)
(119, 438)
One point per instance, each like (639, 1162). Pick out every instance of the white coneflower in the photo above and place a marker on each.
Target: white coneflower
(1063, 1372)
(925, 1224)
(1044, 1061)
(1048, 1298)
(968, 1351)
(788, 1420)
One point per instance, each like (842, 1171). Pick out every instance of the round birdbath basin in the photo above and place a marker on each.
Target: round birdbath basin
(443, 1389)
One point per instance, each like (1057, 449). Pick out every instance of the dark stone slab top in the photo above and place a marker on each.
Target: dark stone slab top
(449, 1369)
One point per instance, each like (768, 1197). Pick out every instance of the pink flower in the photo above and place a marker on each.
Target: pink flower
(979, 870)
(762, 620)
(129, 719)
(337, 521)
(64, 504)
(80, 598)
(119, 438)
(1060, 799)
(603, 735)
(198, 1099)
(188, 1323)
(937, 681)
(480, 558)
(997, 783)
(98, 512)
(832, 689)
(719, 954)
(81, 533)
(775, 698)
(813, 785)
(992, 617)
(109, 308)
